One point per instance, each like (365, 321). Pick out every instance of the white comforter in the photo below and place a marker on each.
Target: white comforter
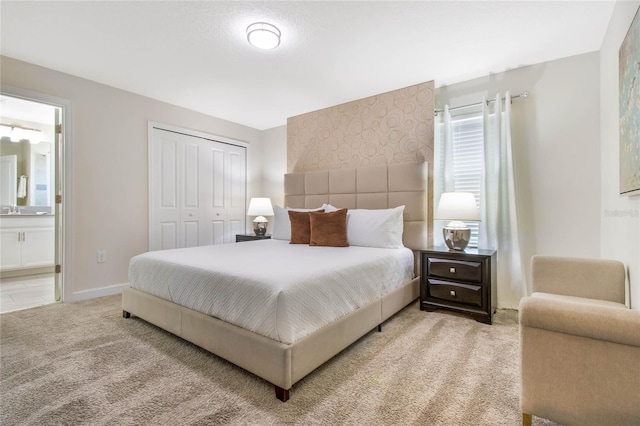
(279, 290)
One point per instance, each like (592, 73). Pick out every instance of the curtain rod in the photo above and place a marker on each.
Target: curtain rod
(521, 95)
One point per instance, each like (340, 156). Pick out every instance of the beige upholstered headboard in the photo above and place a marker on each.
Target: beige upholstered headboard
(376, 187)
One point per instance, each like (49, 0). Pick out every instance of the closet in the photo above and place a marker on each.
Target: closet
(197, 190)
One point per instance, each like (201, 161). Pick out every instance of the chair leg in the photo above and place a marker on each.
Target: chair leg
(526, 419)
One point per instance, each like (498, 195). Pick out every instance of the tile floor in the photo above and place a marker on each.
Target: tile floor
(26, 292)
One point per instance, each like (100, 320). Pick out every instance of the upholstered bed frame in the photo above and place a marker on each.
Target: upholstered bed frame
(285, 364)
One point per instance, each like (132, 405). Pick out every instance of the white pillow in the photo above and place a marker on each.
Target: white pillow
(374, 228)
(282, 224)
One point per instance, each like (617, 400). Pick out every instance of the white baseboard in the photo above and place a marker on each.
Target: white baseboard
(95, 292)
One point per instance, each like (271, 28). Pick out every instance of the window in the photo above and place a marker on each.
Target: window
(467, 135)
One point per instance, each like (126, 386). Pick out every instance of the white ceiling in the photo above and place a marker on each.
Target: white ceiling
(195, 54)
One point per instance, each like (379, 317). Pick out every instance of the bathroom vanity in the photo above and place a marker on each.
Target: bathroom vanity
(27, 241)
(27, 227)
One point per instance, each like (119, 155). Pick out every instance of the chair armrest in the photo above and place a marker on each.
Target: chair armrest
(612, 324)
(571, 276)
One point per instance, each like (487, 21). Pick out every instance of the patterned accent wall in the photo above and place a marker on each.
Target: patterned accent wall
(393, 127)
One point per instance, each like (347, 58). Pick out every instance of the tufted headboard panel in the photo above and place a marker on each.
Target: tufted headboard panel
(375, 187)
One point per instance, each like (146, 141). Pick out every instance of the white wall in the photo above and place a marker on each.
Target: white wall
(556, 148)
(109, 184)
(620, 216)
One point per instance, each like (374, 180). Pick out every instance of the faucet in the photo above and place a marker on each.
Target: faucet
(13, 209)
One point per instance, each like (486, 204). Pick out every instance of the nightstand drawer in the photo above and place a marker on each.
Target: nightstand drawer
(455, 292)
(455, 269)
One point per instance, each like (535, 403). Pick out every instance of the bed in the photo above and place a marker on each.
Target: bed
(274, 326)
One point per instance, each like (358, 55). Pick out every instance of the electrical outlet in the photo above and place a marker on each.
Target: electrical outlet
(102, 256)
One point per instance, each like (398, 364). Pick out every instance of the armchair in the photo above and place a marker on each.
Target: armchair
(579, 344)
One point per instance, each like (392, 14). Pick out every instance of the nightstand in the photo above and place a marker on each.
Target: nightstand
(251, 237)
(461, 281)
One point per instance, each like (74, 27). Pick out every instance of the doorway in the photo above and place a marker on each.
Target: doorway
(31, 143)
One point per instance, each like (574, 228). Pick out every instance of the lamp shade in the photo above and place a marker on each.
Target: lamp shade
(460, 206)
(260, 207)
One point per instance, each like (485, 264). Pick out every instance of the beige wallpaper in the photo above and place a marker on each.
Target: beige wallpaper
(393, 127)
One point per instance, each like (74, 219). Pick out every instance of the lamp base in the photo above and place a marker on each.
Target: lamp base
(456, 238)
(260, 228)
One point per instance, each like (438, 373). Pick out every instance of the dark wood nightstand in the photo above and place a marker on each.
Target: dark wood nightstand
(251, 237)
(462, 281)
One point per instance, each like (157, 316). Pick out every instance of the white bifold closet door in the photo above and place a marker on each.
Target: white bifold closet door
(197, 190)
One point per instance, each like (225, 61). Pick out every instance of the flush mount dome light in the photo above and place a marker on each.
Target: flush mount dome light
(263, 35)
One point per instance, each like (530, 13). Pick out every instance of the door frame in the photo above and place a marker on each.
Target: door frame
(64, 214)
(189, 132)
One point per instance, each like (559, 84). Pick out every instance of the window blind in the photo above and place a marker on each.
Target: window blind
(467, 159)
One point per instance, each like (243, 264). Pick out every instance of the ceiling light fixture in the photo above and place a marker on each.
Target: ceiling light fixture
(263, 35)
(16, 133)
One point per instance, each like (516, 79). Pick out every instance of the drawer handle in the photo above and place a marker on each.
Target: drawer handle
(453, 293)
(452, 270)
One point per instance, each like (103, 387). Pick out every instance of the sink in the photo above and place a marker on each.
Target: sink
(26, 210)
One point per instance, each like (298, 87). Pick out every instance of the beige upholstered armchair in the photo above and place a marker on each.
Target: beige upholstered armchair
(579, 344)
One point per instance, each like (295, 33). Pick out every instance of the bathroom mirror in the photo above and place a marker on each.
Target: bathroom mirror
(26, 173)
(26, 137)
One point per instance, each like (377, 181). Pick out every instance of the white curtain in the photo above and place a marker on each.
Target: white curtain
(499, 227)
(443, 169)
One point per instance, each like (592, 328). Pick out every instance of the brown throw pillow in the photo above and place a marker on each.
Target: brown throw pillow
(329, 229)
(300, 228)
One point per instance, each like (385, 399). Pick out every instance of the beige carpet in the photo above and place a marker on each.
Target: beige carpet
(82, 363)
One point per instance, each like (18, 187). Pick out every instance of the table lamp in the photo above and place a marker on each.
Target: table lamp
(260, 207)
(457, 207)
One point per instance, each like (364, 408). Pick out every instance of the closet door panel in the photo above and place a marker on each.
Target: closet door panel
(236, 227)
(217, 177)
(197, 190)
(169, 175)
(217, 212)
(237, 188)
(191, 233)
(236, 192)
(168, 238)
(164, 191)
(191, 174)
(216, 230)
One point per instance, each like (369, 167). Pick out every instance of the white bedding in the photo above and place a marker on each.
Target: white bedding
(279, 290)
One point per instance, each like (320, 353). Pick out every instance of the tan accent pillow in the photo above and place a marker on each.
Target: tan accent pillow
(328, 229)
(300, 228)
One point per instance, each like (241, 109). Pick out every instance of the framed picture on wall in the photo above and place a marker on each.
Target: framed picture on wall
(629, 81)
